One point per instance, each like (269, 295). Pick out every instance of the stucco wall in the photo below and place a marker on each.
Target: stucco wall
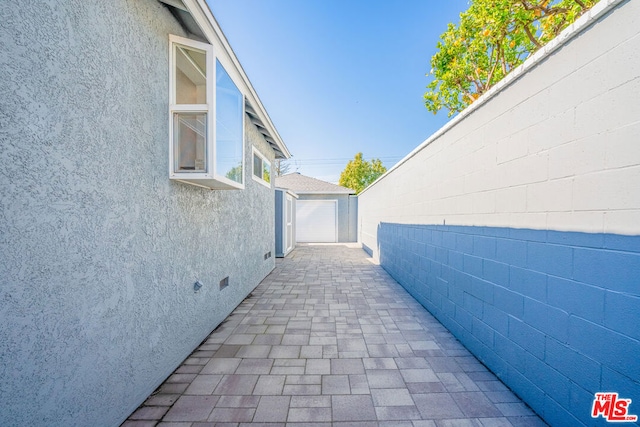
(518, 224)
(99, 250)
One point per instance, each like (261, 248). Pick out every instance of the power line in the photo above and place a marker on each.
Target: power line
(337, 161)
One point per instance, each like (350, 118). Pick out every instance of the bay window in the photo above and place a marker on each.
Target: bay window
(206, 118)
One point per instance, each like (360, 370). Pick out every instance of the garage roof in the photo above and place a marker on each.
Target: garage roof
(302, 184)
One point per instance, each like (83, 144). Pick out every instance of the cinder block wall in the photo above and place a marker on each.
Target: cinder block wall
(353, 218)
(518, 224)
(553, 314)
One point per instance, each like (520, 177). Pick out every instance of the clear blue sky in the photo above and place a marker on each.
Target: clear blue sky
(339, 77)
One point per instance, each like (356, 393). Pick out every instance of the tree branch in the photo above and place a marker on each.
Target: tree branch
(493, 67)
(582, 5)
(532, 37)
(555, 11)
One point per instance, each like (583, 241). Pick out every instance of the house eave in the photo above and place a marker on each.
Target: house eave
(196, 18)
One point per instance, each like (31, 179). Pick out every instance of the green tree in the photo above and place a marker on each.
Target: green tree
(266, 173)
(359, 173)
(492, 38)
(235, 173)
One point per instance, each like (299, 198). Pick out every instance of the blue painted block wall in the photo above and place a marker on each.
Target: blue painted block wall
(556, 315)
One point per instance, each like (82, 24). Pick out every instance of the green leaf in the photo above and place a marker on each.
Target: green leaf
(492, 38)
(359, 173)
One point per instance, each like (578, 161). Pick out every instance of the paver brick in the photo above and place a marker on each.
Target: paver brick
(254, 351)
(418, 375)
(226, 351)
(269, 385)
(335, 384)
(295, 339)
(391, 397)
(149, 413)
(237, 402)
(437, 405)
(298, 390)
(234, 415)
(304, 379)
(254, 366)
(380, 363)
(352, 408)
(385, 378)
(173, 388)
(284, 352)
(311, 401)
(412, 363)
(240, 339)
(191, 408)
(397, 413)
(272, 409)
(268, 339)
(347, 366)
(203, 384)
(222, 365)
(359, 384)
(236, 385)
(306, 415)
(161, 399)
(318, 366)
(330, 340)
(382, 350)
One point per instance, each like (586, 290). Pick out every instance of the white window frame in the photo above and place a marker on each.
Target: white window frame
(263, 158)
(210, 178)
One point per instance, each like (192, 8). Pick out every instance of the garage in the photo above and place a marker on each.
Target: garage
(316, 221)
(325, 212)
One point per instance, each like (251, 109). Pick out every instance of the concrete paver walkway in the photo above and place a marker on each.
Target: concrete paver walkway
(330, 339)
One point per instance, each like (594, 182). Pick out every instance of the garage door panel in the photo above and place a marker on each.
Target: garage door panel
(316, 221)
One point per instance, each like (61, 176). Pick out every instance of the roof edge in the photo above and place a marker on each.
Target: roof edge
(204, 18)
(326, 192)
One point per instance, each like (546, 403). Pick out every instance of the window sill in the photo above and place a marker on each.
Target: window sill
(208, 182)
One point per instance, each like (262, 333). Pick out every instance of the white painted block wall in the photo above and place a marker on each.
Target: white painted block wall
(557, 146)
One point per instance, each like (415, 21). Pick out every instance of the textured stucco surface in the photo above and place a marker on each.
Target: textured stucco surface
(99, 250)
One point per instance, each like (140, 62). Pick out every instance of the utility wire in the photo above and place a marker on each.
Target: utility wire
(337, 161)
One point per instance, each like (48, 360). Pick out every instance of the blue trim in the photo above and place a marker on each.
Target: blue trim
(556, 315)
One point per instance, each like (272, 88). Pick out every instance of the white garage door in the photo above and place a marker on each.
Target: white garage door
(316, 221)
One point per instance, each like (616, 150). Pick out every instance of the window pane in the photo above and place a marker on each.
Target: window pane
(189, 136)
(257, 166)
(266, 172)
(191, 76)
(229, 110)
